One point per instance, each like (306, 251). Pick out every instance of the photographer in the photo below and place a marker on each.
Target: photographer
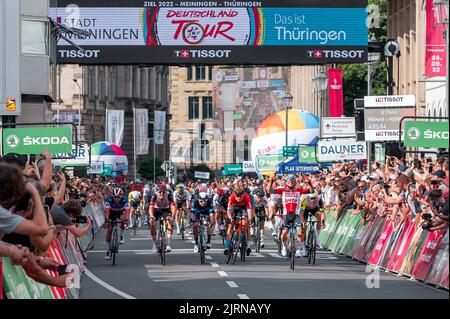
(68, 215)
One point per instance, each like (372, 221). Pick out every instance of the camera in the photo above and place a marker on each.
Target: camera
(80, 220)
(392, 48)
(426, 217)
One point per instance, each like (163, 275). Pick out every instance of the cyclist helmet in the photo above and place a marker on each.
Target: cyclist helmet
(211, 192)
(117, 192)
(258, 193)
(202, 196)
(220, 192)
(168, 188)
(291, 177)
(137, 181)
(162, 188)
(180, 188)
(312, 196)
(238, 190)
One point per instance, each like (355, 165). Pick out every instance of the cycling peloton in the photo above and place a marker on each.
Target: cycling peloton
(116, 207)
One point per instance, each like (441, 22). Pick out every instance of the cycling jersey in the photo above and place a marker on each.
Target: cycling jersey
(116, 209)
(307, 207)
(163, 203)
(244, 203)
(181, 197)
(202, 210)
(291, 199)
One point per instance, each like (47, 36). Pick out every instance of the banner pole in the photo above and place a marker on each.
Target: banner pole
(134, 142)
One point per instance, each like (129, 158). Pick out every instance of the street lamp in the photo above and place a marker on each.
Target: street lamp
(79, 108)
(287, 100)
(321, 85)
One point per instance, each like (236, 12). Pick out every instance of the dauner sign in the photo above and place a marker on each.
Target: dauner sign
(334, 151)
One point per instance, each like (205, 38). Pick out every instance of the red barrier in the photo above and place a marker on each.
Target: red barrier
(1, 287)
(381, 242)
(368, 229)
(390, 245)
(55, 254)
(427, 255)
(402, 246)
(444, 279)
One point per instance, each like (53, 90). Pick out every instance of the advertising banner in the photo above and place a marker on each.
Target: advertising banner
(338, 126)
(81, 156)
(427, 255)
(426, 134)
(402, 246)
(95, 168)
(232, 169)
(389, 101)
(436, 272)
(159, 127)
(268, 162)
(381, 242)
(248, 167)
(214, 32)
(333, 151)
(435, 60)
(335, 92)
(115, 123)
(307, 154)
(141, 126)
(32, 140)
(202, 175)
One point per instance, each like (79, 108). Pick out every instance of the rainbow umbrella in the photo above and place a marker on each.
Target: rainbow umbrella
(106, 148)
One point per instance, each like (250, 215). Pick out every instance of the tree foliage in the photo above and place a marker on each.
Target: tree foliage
(146, 168)
(355, 75)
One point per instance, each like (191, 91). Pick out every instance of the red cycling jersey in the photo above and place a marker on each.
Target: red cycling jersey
(245, 201)
(291, 199)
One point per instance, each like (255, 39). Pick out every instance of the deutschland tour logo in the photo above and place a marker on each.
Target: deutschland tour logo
(12, 141)
(413, 133)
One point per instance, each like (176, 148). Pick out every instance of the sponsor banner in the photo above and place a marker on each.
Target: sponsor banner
(435, 50)
(81, 154)
(427, 255)
(222, 32)
(437, 270)
(426, 134)
(202, 175)
(332, 151)
(307, 154)
(382, 124)
(277, 83)
(1, 289)
(141, 133)
(402, 245)
(268, 162)
(335, 92)
(233, 169)
(414, 249)
(36, 140)
(66, 117)
(338, 126)
(248, 167)
(115, 123)
(246, 85)
(159, 127)
(390, 101)
(381, 242)
(95, 168)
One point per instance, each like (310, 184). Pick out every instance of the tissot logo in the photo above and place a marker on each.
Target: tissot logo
(208, 54)
(79, 53)
(335, 54)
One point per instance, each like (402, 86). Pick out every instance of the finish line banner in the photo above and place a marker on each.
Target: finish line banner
(214, 32)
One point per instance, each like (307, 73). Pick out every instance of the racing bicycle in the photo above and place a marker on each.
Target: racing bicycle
(115, 239)
(238, 243)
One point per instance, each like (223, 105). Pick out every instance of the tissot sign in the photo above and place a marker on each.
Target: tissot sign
(215, 32)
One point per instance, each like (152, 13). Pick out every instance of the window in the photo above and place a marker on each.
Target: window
(200, 73)
(193, 107)
(210, 72)
(35, 37)
(246, 150)
(207, 107)
(189, 73)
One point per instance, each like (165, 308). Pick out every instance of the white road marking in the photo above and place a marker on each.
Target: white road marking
(243, 296)
(192, 241)
(222, 273)
(208, 257)
(232, 284)
(215, 265)
(256, 255)
(107, 286)
(276, 255)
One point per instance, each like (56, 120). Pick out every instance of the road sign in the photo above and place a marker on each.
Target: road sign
(290, 150)
(202, 175)
(426, 134)
(337, 126)
(165, 166)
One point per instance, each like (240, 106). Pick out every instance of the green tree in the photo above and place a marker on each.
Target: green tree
(200, 168)
(355, 75)
(146, 168)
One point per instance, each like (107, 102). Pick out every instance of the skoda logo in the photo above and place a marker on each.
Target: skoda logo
(12, 141)
(413, 133)
(305, 154)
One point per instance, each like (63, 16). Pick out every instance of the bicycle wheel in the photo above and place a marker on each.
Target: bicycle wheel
(162, 246)
(115, 241)
(292, 250)
(257, 237)
(312, 247)
(202, 244)
(182, 223)
(236, 249)
(243, 245)
(279, 243)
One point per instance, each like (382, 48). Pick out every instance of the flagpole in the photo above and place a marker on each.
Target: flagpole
(134, 141)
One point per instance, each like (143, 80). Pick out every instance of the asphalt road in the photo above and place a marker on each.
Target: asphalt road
(266, 275)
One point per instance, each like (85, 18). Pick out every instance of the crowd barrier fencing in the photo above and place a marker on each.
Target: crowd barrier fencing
(65, 249)
(398, 246)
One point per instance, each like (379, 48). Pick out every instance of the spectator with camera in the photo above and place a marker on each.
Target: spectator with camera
(68, 216)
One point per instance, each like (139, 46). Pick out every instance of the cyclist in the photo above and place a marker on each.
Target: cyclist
(162, 204)
(116, 207)
(311, 204)
(220, 207)
(182, 198)
(291, 213)
(135, 199)
(202, 206)
(261, 210)
(148, 193)
(238, 202)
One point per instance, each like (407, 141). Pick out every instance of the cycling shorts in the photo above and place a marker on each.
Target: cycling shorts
(199, 213)
(113, 215)
(310, 211)
(135, 204)
(164, 212)
(291, 218)
(180, 203)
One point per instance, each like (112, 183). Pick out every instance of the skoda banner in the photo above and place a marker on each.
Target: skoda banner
(334, 151)
(213, 32)
(266, 163)
(36, 140)
(307, 154)
(426, 134)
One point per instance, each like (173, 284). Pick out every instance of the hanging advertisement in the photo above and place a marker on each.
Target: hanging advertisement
(435, 60)
(336, 92)
(141, 133)
(159, 127)
(115, 123)
(214, 32)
